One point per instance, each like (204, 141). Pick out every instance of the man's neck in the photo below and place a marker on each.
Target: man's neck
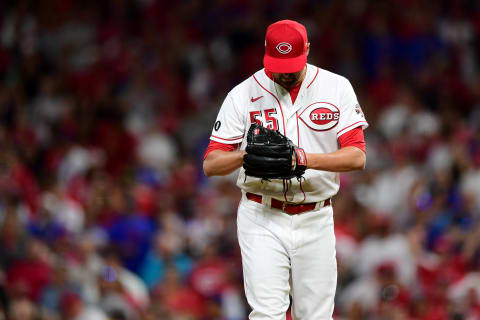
(302, 77)
(293, 92)
(289, 88)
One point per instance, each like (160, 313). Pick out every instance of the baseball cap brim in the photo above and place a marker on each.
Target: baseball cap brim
(289, 65)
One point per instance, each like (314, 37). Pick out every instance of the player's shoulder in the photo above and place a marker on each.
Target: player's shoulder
(241, 90)
(326, 75)
(241, 87)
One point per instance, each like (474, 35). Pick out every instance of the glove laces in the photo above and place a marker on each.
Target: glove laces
(285, 188)
(287, 182)
(301, 188)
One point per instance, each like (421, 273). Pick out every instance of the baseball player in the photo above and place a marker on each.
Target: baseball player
(285, 218)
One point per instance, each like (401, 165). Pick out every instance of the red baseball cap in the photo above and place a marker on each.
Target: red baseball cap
(285, 47)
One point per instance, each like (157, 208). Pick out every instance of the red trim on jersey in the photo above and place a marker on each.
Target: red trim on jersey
(338, 133)
(214, 145)
(313, 78)
(281, 110)
(230, 139)
(293, 92)
(298, 130)
(353, 138)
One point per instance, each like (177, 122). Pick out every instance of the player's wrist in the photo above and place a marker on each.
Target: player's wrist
(241, 155)
(312, 160)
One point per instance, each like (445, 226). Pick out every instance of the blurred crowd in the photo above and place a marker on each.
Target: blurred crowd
(106, 108)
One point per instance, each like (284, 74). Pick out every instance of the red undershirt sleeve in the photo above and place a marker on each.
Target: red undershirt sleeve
(214, 145)
(353, 138)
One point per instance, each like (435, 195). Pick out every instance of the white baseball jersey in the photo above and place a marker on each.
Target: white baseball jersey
(325, 108)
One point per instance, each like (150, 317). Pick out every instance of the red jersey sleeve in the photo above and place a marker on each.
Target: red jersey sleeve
(214, 145)
(353, 138)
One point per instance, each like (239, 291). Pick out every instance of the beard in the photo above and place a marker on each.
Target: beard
(287, 82)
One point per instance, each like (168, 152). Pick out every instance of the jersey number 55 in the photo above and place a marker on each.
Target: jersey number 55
(265, 118)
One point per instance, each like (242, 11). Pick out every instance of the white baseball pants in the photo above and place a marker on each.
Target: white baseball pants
(287, 254)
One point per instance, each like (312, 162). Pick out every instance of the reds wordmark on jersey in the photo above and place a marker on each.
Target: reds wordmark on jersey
(325, 108)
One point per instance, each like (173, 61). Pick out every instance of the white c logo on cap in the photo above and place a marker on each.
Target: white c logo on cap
(284, 47)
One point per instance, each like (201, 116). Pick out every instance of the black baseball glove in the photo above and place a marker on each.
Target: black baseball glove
(271, 155)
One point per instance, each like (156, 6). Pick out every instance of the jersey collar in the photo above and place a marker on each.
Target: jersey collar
(282, 94)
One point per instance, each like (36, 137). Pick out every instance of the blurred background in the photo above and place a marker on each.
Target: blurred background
(106, 108)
